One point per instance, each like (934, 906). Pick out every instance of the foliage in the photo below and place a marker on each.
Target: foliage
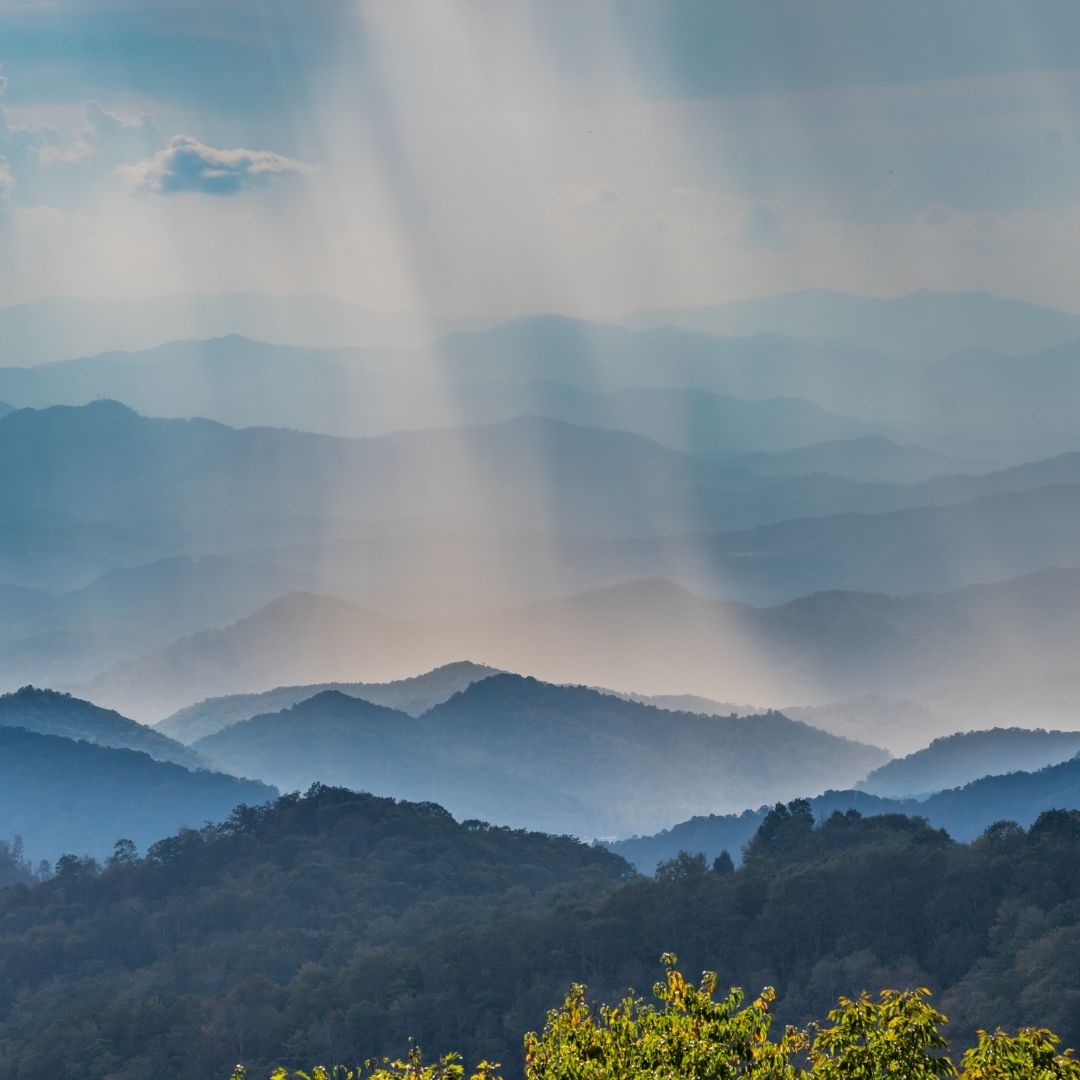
(695, 1036)
(335, 926)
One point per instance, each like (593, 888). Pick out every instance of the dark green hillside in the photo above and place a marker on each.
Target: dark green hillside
(60, 795)
(334, 926)
(224, 943)
(48, 712)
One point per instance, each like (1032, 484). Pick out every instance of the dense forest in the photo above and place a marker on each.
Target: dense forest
(335, 926)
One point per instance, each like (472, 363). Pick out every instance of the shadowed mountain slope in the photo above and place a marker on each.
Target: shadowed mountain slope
(63, 796)
(513, 749)
(414, 696)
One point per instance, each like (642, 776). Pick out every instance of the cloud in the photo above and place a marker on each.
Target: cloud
(107, 138)
(189, 165)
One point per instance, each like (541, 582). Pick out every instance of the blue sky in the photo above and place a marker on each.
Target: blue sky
(467, 157)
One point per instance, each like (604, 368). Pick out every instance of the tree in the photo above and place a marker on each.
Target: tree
(723, 864)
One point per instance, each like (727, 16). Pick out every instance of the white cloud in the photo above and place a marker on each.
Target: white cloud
(189, 165)
(107, 138)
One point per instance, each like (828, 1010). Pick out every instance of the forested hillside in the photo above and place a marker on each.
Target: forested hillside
(332, 927)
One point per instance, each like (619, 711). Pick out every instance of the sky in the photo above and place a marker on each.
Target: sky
(472, 157)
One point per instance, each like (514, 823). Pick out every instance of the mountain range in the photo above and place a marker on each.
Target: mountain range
(47, 712)
(64, 796)
(517, 751)
(959, 759)
(413, 695)
(965, 812)
(972, 644)
(921, 323)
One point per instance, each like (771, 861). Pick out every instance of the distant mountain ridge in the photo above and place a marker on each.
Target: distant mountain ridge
(964, 812)
(47, 712)
(70, 797)
(978, 642)
(519, 751)
(920, 323)
(414, 695)
(955, 760)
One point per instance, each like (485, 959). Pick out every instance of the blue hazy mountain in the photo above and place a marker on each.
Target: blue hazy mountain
(922, 323)
(103, 461)
(523, 752)
(68, 637)
(472, 379)
(868, 458)
(964, 812)
(969, 648)
(955, 760)
(56, 328)
(66, 796)
(413, 696)
(898, 725)
(50, 713)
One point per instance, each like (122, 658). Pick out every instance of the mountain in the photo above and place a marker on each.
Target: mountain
(959, 759)
(5, 408)
(334, 925)
(241, 382)
(922, 323)
(63, 796)
(67, 638)
(964, 812)
(414, 696)
(897, 725)
(981, 642)
(103, 462)
(303, 889)
(868, 458)
(516, 750)
(990, 395)
(54, 328)
(47, 712)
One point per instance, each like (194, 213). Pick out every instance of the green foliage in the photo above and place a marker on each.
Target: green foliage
(412, 1067)
(1031, 1054)
(692, 1035)
(335, 926)
(898, 1035)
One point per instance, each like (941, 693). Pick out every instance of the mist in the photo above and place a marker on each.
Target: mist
(562, 340)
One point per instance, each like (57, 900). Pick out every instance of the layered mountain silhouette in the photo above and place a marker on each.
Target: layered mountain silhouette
(523, 752)
(64, 796)
(47, 712)
(924, 322)
(972, 644)
(414, 696)
(959, 759)
(66, 638)
(964, 812)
